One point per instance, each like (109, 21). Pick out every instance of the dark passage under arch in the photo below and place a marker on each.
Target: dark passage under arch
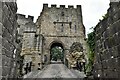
(57, 52)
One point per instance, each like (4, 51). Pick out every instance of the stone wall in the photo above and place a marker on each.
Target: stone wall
(107, 49)
(8, 25)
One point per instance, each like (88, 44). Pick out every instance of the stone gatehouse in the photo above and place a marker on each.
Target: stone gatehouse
(56, 26)
(61, 25)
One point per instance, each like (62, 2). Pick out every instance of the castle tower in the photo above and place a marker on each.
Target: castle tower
(31, 50)
(61, 25)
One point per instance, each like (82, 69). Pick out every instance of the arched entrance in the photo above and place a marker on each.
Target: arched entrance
(56, 52)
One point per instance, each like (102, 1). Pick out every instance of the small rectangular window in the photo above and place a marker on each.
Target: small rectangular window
(75, 29)
(38, 63)
(62, 28)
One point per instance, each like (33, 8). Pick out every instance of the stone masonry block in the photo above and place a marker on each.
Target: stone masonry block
(119, 37)
(106, 44)
(111, 50)
(112, 30)
(1, 14)
(100, 73)
(117, 26)
(95, 73)
(0, 71)
(104, 64)
(119, 14)
(108, 54)
(119, 62)
(103, 55)
(0, 41)
(98, 66)
(1, 28)
(5, 70)
(118, 48)
(5, 10)
(105, 73)
(105, 34)
(116, 39)
(7, 45)
(7, 35)
(112, 63)
(115, 17)
(112, 74)
(7, 53)
(115, 52)
(5, 60)
(8, 26)
(0, 5)
(116, 29)
(111, 42)
(0, 59)
(12, 6)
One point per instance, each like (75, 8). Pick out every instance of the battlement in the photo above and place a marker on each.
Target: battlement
(61, 6)
(70, 6)
(31, 17)
(22, 16)
(53, 5)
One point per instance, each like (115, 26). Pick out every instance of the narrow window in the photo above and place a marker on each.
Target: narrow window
(62, 28)
(75, 29)
(39, 64)
(62, 13)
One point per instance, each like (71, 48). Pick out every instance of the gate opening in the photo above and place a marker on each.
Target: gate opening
(57, 52)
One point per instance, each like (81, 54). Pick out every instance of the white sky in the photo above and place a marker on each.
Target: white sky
(92, 10)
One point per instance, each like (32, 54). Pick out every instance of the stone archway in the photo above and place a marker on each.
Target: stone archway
(56, 51)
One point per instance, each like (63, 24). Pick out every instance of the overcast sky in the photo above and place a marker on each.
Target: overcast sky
(92, 10)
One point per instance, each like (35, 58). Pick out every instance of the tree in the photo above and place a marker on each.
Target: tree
(57, 53)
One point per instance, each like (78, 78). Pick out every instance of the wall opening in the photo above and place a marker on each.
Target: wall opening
(57, 52)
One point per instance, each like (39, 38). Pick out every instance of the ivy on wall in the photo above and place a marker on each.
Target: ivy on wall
(91, 45)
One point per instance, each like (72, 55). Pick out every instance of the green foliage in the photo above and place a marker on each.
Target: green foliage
(105, 16)
(91, 41)
(91, 44)
(57, 53)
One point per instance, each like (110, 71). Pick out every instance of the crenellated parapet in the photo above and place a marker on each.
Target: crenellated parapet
(26, 24)
(22, 16)
(61, 6)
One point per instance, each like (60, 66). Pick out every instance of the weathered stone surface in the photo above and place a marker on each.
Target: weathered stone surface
(5, 60)
(5, 71)
(0, 58)
(31, 42)
(1, 29)
(8, 28)
(108, 44)
(1, 14)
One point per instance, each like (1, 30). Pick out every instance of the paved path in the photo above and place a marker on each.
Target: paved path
(55, 71)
